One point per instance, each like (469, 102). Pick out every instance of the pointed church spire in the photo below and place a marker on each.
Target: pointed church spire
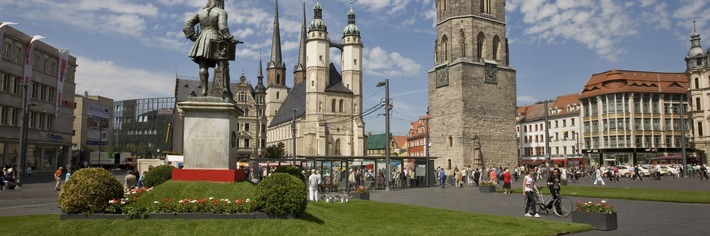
(299, 70)
(260, 79)
(260, 75)
(276, 59)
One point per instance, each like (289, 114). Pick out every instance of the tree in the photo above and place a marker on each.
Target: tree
(276, 151)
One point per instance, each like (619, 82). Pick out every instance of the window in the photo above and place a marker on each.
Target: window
(445, 47)
(246, 127)
(572, 122)
(277, 95)
(480, 45)
(332, 106)
(278, 79)
(3, 115)
(451, 141)
(700, 129)
(697, 83)
(246, 141)
(496, 46)
(697, 104)
(237, 126)
(4, 82)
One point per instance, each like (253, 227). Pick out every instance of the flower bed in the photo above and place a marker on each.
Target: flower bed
(600, 215)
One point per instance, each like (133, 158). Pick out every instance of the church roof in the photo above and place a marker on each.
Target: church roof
(296, 99)
(335, 82)
(376, 142)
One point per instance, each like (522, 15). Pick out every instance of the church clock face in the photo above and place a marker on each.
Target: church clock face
(442, 77)
(491, 73)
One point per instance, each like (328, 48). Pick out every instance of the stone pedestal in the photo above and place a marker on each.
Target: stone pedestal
(209, 136)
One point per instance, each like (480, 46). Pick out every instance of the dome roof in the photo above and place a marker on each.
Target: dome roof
(318, 24)
(696, 51)
(351, 29)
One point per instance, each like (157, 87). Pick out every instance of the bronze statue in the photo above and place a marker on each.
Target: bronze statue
(214, 45)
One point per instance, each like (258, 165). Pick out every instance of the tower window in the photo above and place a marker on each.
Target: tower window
(355, 62)
(277, 95)
(496, 47)
(332, 108)
(481, 44)
(699, 62)
(451, 141)
(445, 47)
(278, 79)
(340, 105)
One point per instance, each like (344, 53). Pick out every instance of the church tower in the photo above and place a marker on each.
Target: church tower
(472, 87)
(698, 68)
(317, 62)
(260, 97)
(275, 72)
(352, 60)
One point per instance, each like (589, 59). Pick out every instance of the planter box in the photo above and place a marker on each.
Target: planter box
(186, 216)
(600, 221)
(487, 189)
(95, 216)
(362, 196)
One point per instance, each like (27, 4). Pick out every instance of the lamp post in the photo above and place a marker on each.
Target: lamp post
(547, 139)
(388, 107)
(27, 77)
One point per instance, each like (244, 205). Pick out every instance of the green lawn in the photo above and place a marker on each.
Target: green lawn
(355, 218)
(658, 195)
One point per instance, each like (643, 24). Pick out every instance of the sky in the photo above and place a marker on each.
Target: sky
(131, 49)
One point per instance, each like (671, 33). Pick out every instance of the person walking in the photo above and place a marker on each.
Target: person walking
(528, 185)
(313, 186)
(442, 177)
(58, 178)
(703, 172)
(598, 176)
(476, 177)
(506, 181)
(457, 177)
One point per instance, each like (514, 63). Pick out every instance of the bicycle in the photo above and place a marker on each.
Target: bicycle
(566, 205)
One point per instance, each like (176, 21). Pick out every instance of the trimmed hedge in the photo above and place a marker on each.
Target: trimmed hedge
(281, 194)
(158, 175)
(291, 170)
(89, 191)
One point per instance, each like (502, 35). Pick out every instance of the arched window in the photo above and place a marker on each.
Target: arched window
(277, 95)
(697, 83)
(496, 47)
(483, 6)
(340, 105)
(448, 164)
(451, 141)
(480, 43)
(445, 47)
(332, 108)
(278, 79)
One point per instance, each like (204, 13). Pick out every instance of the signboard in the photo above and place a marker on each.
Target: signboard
(97, 124)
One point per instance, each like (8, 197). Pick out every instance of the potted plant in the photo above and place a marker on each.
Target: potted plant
(361, 193)
(487, 187)
(600, 215)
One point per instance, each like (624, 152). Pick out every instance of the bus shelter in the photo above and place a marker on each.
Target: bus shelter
(368, 171)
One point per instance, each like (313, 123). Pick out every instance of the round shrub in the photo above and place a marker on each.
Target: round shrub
(291, 170)
(158, 175)
(281, 194)
(89, 190)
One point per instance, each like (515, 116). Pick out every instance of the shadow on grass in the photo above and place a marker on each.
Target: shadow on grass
(310, 218)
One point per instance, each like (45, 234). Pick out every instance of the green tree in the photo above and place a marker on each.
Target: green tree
(276, 151)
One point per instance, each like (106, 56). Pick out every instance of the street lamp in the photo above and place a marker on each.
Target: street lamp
(293, 136)
(547, 138)
(388, 107)
(25, 109)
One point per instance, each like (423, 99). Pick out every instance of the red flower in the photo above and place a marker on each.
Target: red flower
(202, 200)
(238, 201)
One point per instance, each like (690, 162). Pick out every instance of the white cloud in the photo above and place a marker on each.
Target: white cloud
(107, 79)
(524, 100)
(381, 63)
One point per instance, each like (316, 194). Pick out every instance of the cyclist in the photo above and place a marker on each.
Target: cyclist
(529, 192)
(553, 183)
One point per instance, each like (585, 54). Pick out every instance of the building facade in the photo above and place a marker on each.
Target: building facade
(323, 110)
(630, 116)
(93, 126)
(472, 87)
(143, 126)
(698, 75)
(417, 138)
(49, 117)
(563, 127)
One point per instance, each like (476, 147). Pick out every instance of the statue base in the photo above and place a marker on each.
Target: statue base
(209, 133)
(228, 176)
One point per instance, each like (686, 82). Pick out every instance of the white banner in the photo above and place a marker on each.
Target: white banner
(28, 62)
(61, 75)
(2, 36)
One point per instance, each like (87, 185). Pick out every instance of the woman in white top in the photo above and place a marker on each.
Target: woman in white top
(528, 185)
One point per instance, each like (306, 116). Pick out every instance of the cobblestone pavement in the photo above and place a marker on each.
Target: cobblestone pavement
(635, 217)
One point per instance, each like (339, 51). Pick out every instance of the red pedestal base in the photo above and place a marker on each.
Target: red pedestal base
(208, 175)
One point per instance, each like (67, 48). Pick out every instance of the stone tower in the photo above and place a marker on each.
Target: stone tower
(472, 88)
(698, 62)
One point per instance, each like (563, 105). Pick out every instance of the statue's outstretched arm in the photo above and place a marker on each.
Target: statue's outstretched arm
(223, 28)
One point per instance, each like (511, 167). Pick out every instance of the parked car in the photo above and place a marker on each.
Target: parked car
(624, 171)
(644, 170)
(669, 170)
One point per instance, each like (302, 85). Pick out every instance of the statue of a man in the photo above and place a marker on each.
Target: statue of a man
(212, 20)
